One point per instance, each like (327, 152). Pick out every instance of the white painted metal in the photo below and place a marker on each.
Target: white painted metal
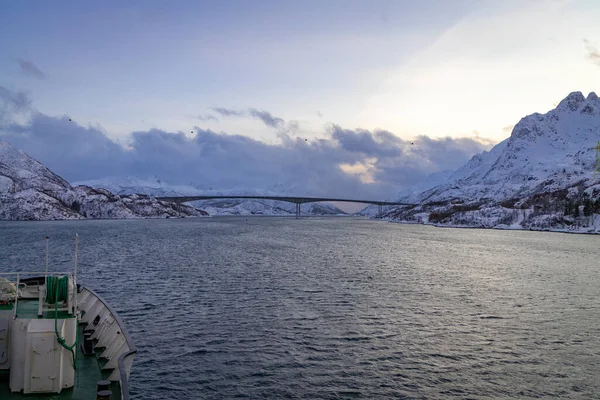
(107, 332)
(38, 363)
(72, 292)
(109, 336)
(119, 346)
(105, 324)
(36, 273)
(46, 275)
(17, 295)
(40, 366)
(41, 299)
(29, 346)
(112, 349)
(72, 297)
(92, 312)
(70, 308)
(29, 292)
(4, 359)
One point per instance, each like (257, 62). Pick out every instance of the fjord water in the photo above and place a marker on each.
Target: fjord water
(337, 307)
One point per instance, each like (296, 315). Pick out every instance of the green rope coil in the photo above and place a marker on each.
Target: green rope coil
(57, 290)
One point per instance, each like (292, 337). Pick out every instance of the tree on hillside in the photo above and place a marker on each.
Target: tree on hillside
(568, 207)
(596, 206)
(588, 207)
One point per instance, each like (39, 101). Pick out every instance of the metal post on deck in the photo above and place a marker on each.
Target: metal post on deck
(17, 295)
(46, 275)
(76, 261)
(379, 210)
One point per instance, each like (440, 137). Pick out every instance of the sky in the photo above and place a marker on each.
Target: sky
(337, 97)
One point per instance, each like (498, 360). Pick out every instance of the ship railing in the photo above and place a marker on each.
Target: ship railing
(111, 336)
(32, 274)
(38, 273)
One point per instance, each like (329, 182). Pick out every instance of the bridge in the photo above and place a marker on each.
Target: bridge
(290, 199)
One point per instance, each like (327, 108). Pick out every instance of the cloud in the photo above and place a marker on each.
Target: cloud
(15, 101)
(371, 144)
(352, 163)
(388, 158)
(29, 68)
(267, 118)
(509, 128)
(592, 52)
(72, 151)
(228, 112)
(12, 105)
(207, 117)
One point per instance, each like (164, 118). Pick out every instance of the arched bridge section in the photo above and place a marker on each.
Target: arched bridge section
(290, 199)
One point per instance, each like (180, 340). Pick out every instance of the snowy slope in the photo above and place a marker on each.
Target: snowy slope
(554, 150)
(19, 172)
(156, 187)
(132, 185)
(30, 191)
(546, 164)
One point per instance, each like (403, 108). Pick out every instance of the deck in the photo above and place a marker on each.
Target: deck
(88, 368)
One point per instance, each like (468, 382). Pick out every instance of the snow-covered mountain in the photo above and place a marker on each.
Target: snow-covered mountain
(30, 191)
(541, 177)
(156, 187)
(131, 185)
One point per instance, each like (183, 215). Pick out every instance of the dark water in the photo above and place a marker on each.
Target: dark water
(338, 308)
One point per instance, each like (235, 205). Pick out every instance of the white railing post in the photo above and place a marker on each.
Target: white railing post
(17, 295)
(46, 275)
(76, 251)
(75, 275)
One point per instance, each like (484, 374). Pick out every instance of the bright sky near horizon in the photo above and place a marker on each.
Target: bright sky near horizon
(438, 68)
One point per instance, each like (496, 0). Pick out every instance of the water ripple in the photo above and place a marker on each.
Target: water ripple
(338, 308)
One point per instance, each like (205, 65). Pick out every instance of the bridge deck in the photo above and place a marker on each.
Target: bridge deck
(289, 199)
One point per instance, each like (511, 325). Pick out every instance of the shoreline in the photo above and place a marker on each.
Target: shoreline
(507, 228)
(187, 217)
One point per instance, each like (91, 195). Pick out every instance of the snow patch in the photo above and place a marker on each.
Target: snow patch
(6, 184)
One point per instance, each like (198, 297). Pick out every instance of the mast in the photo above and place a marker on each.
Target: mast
(46, 276)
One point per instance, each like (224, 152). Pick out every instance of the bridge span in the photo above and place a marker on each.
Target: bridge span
(290, 199)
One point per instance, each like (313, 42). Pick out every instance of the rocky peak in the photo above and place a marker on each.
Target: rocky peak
(555, 149)
(24, 172)
(571, 102)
